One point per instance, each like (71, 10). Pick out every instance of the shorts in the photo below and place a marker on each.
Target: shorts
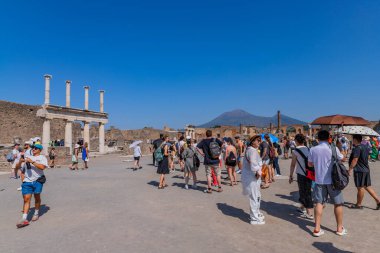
(240, 159)
(323, 191)
(266, 162)
(216, 167)
(362, 179)
(136, 158)
(31, 188)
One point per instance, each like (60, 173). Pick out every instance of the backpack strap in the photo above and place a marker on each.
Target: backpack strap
(304, 157)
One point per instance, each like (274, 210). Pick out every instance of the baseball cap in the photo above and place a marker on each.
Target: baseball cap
(39, 146)
(28, 142)
(76, 146)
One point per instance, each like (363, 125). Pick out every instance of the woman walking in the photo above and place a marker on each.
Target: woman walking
(74, 158)
(190, 167)
(136, 156)
(251, 180)
(85, 155)
(230, 160)
(299, 161)
(163, 166)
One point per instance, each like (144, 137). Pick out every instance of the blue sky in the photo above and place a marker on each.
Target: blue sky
(179, 62)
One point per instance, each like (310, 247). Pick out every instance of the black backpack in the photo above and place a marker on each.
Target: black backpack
(231, 159)
(215, 149)
(339, 173)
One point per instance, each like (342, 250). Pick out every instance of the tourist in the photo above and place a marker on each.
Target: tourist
(13, 160)
(277, 153)
(320, 158)
(210, 149)
(136, 156)
(266, 147)
(374, 150)
(85, 155)
(179, 148)
(240, 148)
(75, 158)
(172, 155)
(188, 156)
(292, 145)
(230, 160)
(299, 161)
(52, 155)
(163, 166)
(32, 168)
(286, 147)
(345, 145)
(362, 176)
(251, 180)
(156, 144)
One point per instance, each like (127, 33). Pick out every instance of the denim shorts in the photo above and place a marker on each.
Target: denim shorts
(323, 191)
(31, 188)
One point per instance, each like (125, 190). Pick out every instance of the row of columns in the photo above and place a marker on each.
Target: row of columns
(69, 123)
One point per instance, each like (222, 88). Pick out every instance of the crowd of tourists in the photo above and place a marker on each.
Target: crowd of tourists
(316, 163)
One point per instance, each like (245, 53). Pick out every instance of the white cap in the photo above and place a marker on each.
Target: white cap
(28, 142)
(76, 146)
(35, 139)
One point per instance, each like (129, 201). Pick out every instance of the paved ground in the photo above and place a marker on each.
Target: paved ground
(109, 208)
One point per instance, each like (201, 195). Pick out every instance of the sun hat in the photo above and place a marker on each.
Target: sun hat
(76, 146)
(38, 146)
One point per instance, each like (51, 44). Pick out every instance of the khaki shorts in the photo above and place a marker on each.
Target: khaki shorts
(216, 168)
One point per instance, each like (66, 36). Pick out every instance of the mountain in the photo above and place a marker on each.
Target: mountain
(237, 117)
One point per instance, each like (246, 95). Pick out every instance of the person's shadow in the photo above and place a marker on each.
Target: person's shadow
(233, 211)
(328, 247)
(43, 209)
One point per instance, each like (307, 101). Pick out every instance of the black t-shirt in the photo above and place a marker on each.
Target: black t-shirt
(157, 143)
(362, 153)
(264, 145)
(204, 145)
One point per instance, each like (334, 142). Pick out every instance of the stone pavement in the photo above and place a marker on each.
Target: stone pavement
(110, 208)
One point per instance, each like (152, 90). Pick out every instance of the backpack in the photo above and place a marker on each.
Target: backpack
(309, 171)
(339, 173)
(10, 157)
(159, 154)
(215, 149)
(231, 159)
(196, 160)
(272, 152)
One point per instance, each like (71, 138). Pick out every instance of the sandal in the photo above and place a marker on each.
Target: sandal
(264, 186)
(355, 207)
(165, 185)
(160, 187)
(219, 189)
(209, 190)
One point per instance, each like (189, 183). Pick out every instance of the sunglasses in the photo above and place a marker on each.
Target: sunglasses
(34, 148)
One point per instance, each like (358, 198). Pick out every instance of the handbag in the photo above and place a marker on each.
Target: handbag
(41, 179)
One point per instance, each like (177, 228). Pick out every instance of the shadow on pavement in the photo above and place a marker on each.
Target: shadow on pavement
(233, 211)
(328, 247)
(43, 209)
(154, 183)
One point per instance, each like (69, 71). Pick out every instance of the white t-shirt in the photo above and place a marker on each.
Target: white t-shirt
(34, 173)
(300, 160)
(137, 151)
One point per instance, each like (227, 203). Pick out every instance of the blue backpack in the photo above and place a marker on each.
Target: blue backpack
(10, 157)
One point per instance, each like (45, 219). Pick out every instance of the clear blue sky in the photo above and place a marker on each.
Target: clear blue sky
(178, 62)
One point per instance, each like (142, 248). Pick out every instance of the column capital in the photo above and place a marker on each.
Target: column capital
(86, 87)
(68, 81)
(47, 76)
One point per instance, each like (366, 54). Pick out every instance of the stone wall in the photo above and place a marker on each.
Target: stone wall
(20, 121)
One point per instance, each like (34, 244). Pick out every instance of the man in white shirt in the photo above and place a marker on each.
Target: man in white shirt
(15, 154)
(320, 158)
(32, 168)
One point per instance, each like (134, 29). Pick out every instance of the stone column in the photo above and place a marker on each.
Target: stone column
(86, 133)
(86, 88)
(278, 120)
(69, 135)
(46, 135)
(101, 100)
(101, 138)
(68, 96)
(47, 89)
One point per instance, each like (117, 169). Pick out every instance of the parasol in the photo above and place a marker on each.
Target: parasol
(362, 130)
(134, 144)
(341, 120)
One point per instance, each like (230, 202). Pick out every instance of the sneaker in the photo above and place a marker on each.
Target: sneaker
(319, 233)
(257, 222)
(22, 223)
(238, 171)
(301, 211)
(35, 218)
(307, 216)
(186, 186)
(19, 189)
(344, 232)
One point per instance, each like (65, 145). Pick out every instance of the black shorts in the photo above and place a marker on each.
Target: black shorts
(137, 158)
(362, 179)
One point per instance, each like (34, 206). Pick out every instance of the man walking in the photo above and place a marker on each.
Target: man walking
(210, 149)
(359, 164)
(32, 168)
(320, 158)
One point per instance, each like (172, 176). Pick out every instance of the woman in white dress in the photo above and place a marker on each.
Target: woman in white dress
(251, 179)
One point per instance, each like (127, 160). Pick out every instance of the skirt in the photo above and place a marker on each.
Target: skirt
(163, 166)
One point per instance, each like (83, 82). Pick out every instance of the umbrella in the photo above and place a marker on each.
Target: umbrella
(362, 130)
(340, 120)
(272, 137)
(134, 144)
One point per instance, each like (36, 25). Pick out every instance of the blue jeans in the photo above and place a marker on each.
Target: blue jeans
(276, 166)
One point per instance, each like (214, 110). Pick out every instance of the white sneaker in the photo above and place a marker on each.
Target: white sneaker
(318, 234)
(19, 189)
(344, 232)
(238, 171)
(307, 216)
(257, 222)
(186, 186)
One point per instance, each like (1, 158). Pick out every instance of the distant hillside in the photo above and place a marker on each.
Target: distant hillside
(237, 117)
